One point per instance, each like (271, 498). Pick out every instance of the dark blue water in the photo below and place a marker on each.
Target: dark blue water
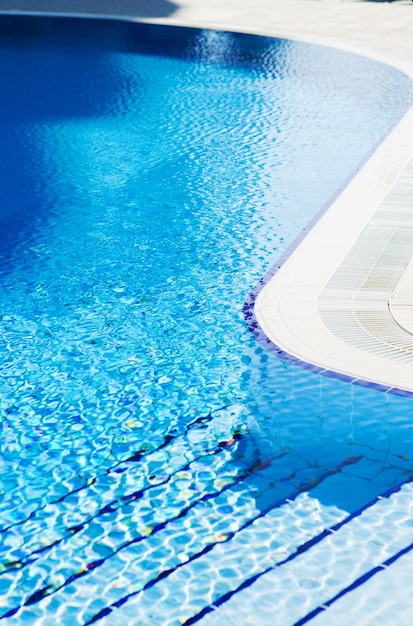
(149, 177)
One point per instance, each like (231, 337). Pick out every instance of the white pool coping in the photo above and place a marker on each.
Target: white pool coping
(286, 308)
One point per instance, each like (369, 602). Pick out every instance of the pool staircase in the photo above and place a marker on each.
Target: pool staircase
(204, 533)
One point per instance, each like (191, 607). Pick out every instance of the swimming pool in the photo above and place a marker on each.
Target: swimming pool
(157, 461)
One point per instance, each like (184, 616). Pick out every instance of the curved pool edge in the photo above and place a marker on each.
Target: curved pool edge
(281, 310)
(285, 300)
(286, 305)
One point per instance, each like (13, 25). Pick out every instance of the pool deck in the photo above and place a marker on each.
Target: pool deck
(343, 299)
(359, 327)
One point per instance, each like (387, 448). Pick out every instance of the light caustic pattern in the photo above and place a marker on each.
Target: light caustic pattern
(154, 457)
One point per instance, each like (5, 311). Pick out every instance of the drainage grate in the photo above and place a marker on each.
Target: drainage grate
(354, 303)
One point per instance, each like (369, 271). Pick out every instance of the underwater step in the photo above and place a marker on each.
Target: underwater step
(255, 548)
(304, 587)
(118, 556)
(143, 467)
(381, 599)
(266, 509)
(211, 451)
(35, 565)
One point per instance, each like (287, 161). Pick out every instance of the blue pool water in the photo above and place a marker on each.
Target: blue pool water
(155, 459)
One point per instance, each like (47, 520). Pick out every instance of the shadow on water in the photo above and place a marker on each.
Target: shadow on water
(131, 8)
(340, 443)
